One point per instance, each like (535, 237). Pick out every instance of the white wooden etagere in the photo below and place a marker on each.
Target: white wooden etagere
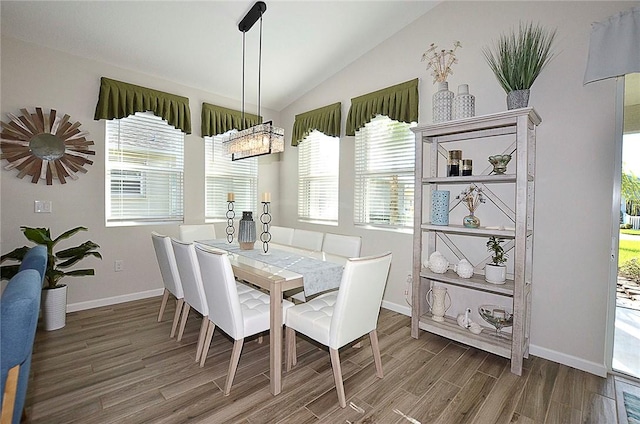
(519, 124)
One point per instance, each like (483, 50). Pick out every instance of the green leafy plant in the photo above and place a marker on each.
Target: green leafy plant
(57, 262)
(631, 270)
(517, 59)
(498, 256)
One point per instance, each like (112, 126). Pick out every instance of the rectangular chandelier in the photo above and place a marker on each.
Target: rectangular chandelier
(261, 139)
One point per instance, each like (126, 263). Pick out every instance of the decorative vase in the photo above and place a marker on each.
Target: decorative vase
(440, 207)
(54, 307)
(438, 302)
(442, 103)
(464, 104)
(247, 231)
(499, 163)
(471, 221)
(495, 274)
(517, 99)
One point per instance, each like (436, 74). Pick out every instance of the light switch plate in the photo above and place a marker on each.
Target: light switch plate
(42, 206)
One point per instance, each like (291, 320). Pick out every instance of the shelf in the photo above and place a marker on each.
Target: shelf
(451, 330)
(503, 178)
(476, 282)
(460, 229)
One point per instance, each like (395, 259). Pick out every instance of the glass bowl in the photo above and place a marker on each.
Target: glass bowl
(498, 316)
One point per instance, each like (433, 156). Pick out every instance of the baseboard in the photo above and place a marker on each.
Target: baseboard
(551, 355)
(81, 306)
(569, 360)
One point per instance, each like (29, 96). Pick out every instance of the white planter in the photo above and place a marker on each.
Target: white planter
(54, 308)
(495, 274)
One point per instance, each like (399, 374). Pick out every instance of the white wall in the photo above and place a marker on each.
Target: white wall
(34, 76)
(575, 153)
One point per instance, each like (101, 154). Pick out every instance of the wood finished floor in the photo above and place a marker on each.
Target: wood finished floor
(117, 364)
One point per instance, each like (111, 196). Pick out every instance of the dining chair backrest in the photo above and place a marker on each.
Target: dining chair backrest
(221, 292)
(192, 232)
(167, 263)
(281, 235)
(190, 277)
(359, 298)
(341, 245)
(305, 239)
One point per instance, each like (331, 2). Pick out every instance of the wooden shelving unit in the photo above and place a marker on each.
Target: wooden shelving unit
(519, 124)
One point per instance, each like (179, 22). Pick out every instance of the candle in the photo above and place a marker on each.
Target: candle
(231, 197)
(266, 197)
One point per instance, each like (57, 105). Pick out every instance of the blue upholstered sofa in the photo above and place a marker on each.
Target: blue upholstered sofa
(19, 309)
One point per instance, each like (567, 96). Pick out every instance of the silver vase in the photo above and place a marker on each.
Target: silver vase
(517, 99)
(247, 231)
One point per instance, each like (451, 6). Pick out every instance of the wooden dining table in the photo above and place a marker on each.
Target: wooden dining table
(276, 279)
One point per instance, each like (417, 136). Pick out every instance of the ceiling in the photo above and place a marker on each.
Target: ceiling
(198, 44)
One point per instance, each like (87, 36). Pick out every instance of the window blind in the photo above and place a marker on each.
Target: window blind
(384, 174)
(318, 160)
(222, 176)
(144, 170)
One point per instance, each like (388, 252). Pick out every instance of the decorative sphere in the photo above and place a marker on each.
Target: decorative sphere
(438, 263)
(464, 269)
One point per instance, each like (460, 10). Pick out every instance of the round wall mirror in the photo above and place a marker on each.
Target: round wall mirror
(45, 146)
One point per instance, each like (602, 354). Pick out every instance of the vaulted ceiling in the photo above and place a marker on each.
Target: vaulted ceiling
(198, 44)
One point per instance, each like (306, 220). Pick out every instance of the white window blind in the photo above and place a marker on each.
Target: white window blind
(226, 176)
(384, 174)
(318, 160)
(144, 170)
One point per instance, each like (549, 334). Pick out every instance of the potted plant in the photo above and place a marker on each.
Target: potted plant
(54, 295)
(517, 59)
(496, 272)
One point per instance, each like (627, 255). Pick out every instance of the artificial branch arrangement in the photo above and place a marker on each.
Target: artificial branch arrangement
(471, 197)
(440, 61)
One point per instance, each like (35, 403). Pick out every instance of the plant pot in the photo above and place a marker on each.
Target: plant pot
(517, 99)
(495, 274)
(54, 308)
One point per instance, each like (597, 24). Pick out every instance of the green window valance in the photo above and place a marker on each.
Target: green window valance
(119, 99)
(325, 119)
(218, 120)
(398, 102)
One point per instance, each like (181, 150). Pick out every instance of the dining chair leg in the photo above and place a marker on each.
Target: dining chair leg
(337, 376)
(183, 321)
(233, 365)
(290, 347)
(165, 298)
(375, 347)
(201, 336)
(207, 342)
(176, 316)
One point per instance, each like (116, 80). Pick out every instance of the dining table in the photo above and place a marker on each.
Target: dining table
(281, 269)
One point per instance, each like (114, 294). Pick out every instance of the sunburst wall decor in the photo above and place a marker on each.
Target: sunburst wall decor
(45, 146)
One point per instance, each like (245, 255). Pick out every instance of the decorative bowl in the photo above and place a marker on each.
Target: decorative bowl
(499, 163)
(498, 316)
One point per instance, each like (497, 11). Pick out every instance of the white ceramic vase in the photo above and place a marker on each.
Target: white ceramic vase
(438, 303)
(443, 103)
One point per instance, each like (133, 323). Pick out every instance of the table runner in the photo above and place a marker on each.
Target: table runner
(318, 276)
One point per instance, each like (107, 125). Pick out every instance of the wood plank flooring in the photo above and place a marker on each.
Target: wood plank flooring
(117, 364)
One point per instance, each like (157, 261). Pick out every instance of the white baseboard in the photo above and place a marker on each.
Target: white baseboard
(81, 306)
(551, 355)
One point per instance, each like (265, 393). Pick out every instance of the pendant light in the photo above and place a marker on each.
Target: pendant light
(261, 139)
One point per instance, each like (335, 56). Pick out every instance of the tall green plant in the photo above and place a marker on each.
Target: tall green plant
(517, 59)
(57, 262)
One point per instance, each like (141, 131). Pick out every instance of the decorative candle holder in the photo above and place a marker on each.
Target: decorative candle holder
(265, 218)
(231, 214)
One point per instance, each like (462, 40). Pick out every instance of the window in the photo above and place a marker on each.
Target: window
(318, 160)
(144, 170)
(222, 176)
(384, 174)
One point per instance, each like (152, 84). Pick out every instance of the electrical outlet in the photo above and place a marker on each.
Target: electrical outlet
(118, 265)
(42, 206)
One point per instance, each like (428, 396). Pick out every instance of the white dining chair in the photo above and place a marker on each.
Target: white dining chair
(170, 277)
(305, 239)
(281, 235)
(192, 232)
(240, 315)
(342, 245)
(194, 296)
(338, 318)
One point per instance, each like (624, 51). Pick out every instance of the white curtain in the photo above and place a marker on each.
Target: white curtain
(614, 47)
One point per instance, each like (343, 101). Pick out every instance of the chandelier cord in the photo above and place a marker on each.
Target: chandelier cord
(259, 65)
(243, 60)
